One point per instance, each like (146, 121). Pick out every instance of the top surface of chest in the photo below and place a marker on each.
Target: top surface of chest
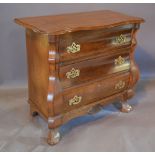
(60, 24)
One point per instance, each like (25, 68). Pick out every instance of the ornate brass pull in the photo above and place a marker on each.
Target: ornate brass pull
(119, 61)
(73, 73)
(120, 39)
(120, 85)
(75, 100)
(73, 48)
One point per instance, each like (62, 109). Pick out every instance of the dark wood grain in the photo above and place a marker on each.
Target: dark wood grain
(96, 42)
(95, 68)
(95, 91)
(100, 80)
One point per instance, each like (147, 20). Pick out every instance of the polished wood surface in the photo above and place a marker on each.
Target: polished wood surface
(37, 69)
(92, 42)
(93, 69)
(60, 24)
(94, 91)
(79, 63)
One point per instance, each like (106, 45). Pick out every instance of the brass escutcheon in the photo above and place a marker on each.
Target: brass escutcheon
(73, 73)
(120, 39)
(119, 61)
(75, 100)
(120, 85)
(73, 48)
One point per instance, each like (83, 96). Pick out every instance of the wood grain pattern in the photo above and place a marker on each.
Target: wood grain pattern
(99, 81)
(95, 68)
(37, 54)
(60, 24)
(95, 91)
(98, 42)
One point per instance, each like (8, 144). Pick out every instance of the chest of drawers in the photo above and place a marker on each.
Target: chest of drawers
(79, 62)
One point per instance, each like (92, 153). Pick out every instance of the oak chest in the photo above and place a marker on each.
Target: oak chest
(79, 62)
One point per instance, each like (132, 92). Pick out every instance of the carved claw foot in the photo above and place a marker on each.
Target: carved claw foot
(123, 107)
(53, 137)
(126, 108)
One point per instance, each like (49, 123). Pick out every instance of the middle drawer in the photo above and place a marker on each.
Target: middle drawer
(101, 67)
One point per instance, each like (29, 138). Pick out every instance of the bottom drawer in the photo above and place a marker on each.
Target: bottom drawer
(95, 91)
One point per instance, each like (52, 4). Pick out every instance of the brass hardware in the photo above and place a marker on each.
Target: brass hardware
(120, 39)
(119, 61)
(73, 48)
(120, 85)
(73, 73)
(75, 100)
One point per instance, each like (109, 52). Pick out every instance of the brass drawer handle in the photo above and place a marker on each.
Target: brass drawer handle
(75, 100)
(121, 39)
(119, 61)
(73, 48)
(120, 85)
(73, 73)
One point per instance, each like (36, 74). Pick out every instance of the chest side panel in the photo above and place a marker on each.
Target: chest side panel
(38, 69)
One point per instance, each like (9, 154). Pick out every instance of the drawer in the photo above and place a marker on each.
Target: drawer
(84, 44)
(95, 91)
(93, 69)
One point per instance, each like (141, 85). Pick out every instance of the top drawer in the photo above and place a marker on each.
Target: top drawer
(83, 44)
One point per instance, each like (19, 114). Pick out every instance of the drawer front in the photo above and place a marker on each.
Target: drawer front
(83, 44)
(93, 69)
(76, 97)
